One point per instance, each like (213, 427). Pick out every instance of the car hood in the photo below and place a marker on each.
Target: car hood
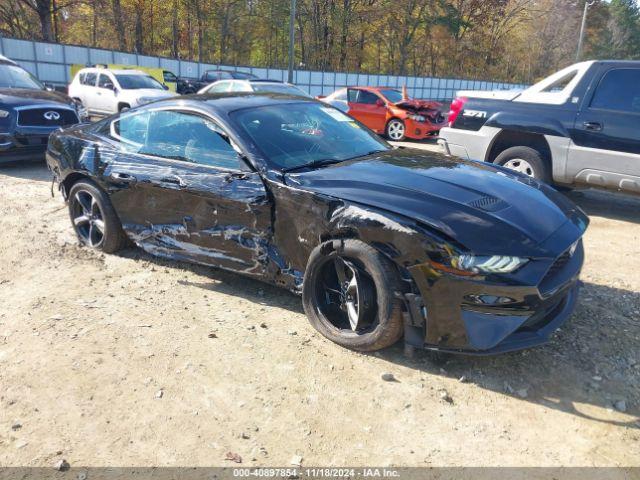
(415, 105)
(151, 92)
(487, 209)
(18, 97)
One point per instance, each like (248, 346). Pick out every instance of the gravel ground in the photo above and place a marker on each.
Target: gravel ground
(128, 360)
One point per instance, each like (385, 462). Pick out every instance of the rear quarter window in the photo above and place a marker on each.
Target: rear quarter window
(90, 78)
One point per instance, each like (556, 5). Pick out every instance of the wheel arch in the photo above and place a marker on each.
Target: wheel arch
(70, 180)
(516, 138)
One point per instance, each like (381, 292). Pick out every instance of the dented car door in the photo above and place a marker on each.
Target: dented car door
(191, 197)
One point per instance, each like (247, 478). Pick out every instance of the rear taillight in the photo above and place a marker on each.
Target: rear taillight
(456, 107)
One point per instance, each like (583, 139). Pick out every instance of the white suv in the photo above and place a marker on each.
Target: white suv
(104, 91)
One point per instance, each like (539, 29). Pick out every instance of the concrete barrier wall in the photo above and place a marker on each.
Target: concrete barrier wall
(51, 62)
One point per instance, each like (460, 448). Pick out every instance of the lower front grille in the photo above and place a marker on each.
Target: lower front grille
(47, 117)
(542, 317)
(559, 264)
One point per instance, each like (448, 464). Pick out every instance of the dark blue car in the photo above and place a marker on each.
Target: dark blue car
(29, 112)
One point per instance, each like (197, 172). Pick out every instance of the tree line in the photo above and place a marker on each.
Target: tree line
(507, 40)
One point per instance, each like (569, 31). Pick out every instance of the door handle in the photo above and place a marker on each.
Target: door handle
(173, 180)
(235, 176)
(123, 177)
(592, 126)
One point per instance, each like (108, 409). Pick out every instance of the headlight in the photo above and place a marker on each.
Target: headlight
(143, 100)
(4, 114)
(81, 110)
(487, 264)
(417, 118)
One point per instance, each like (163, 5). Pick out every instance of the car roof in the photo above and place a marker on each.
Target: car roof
(119, 71)
(4, 59)
(266, 80)
(224, 103)
(375, 89)
(621, 63)
(255, 80)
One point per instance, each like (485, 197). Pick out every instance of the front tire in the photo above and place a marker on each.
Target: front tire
(525, 160)
(395, 130)
(94, 219)
(349, 295)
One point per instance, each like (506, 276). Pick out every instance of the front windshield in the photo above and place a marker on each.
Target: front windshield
(295, 134)
(135, 82)
(394, 96)
(278, 88)
(12, 76)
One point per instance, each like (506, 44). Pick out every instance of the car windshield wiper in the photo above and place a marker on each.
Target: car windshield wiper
(372, 152)
(314, 164)
(321, 163)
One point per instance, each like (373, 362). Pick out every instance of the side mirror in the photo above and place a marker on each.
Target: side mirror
(165, 87)
(379, 103)
(49, 87)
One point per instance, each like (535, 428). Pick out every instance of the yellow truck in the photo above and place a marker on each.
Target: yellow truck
(165, 77)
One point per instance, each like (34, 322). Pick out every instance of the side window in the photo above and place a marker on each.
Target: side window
(239, 87)
(131, 131)
(367, 97)
(353, 95)
(561, 83)
(104, 81)
(211, 76)
(219, 87)
(341, 95)
(81, 78)
(90, 79)
(619, 90)
(190, 138)
(169, 77)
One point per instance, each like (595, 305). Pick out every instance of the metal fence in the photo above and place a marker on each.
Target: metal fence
(51, 62)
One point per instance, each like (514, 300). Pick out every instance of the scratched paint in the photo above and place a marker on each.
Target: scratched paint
(417, 209)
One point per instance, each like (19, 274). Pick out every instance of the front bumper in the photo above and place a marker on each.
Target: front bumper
(23, 145)
(420, 130)
(451, 314)
(467, 144)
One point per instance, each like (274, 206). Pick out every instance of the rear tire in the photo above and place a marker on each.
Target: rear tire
(94, 219)
(123, 107)
(377, 284)
(525, 160)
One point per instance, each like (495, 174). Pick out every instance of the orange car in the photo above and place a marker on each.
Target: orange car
(388, 111)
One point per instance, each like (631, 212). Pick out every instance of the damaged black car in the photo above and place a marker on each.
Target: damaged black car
(380, 242)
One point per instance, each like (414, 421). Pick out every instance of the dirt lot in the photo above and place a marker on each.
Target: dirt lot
(127, 360)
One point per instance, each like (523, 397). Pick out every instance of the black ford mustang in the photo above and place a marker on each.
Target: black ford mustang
(456, 255)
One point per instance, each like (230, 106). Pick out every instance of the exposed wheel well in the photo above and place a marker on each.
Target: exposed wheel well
(70, 180)
(121, 105)
(509, 138)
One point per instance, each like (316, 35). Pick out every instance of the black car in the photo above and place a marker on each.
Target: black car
(456, 255)
(29, 112)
